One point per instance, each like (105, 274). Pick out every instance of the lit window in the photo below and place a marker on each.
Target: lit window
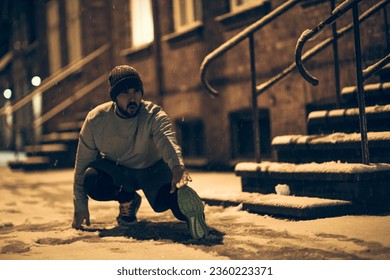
(53, 35)
(73, 29)
(187, 13)
(141, 22)
(236, 5)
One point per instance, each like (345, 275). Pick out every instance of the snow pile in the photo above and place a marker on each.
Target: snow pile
(282, 189)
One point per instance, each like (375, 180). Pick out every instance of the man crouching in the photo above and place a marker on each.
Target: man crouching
(128, 144)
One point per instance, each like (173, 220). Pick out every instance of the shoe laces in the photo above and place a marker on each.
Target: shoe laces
(130, 208)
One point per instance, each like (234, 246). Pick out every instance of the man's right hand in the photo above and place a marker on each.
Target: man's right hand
(79, 218)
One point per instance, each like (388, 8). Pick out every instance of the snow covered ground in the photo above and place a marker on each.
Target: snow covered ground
(36, 213)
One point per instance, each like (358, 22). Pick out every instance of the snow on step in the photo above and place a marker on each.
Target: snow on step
(348, 112)
(276, 200)
(326, 167)
(331, 138)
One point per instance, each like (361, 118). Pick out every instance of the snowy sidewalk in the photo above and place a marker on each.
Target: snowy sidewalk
(36, 213)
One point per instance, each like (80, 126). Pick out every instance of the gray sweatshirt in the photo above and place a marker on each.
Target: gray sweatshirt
(137, 142)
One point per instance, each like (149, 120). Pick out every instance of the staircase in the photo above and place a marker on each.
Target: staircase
(55, 150)
(320, 174)
(324, 167)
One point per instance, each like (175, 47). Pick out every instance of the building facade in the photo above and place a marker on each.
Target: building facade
(77, 42)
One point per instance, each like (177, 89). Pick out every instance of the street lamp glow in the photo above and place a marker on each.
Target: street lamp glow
(36, 81)
(7, 93)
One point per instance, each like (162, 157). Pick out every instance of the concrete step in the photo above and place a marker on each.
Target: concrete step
(366, 186)
(60, 155)
(45, 148)
(384, 74)
(56, 149)
(342, 147)
(70, 126)
(60, 137)
(284, 206)
(30, 163)
(347, 120)
(375, 94)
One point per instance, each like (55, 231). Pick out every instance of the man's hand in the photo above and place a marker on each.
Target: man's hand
(180, 178)
(79, 218)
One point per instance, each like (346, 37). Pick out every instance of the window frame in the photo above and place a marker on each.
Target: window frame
(236, 7)
(193, 14)
(244, 16)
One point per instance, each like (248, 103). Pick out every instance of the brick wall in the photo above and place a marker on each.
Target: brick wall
(181, 93)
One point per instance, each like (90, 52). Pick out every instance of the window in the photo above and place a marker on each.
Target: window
(244, 13)
(236, 5)
(141, 16)
(186, 13)
(242, 134)
(190, 134)
(73, 30)
(53, 36)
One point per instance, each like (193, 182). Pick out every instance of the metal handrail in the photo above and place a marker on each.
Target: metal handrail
(50, 82)
(58, 108)
(321, 46)
(69, 101)
(371, 70)
(54, 79)
(259, 89)
(310, 33)
(245, 34)
(361, 75)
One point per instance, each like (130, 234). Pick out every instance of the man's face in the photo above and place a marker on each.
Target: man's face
(128, 102)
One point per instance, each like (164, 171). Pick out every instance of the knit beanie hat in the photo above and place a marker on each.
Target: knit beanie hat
(123, 77)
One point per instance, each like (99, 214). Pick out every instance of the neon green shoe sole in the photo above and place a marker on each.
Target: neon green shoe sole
(192, 207)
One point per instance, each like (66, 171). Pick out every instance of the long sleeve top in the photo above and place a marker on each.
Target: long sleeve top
(137, 142)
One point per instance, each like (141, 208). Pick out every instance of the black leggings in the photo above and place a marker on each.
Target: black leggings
(99, 186)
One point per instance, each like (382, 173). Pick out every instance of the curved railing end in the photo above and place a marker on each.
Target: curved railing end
(210, 90)
(305, 36)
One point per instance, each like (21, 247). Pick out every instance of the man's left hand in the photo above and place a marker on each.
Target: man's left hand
(180, 178)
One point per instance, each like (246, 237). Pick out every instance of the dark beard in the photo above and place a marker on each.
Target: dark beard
(125, 114)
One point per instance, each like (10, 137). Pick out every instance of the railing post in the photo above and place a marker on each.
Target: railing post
(255, 111)
(336, 64)
(359, 78)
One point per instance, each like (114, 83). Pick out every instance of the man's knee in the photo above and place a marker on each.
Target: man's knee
(90, 178)
(96, 180)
